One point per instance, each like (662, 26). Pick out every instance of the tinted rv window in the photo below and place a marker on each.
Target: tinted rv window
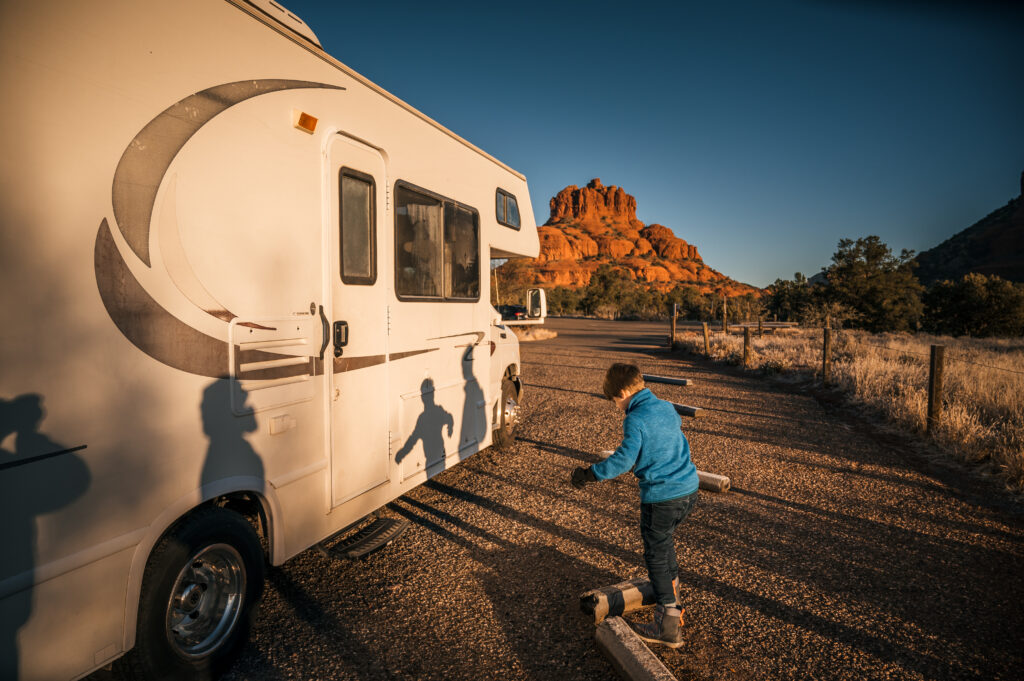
(512, 211)
(358, 252)
(507, 209)
(437, 247)
(418, 244)
(461, 253)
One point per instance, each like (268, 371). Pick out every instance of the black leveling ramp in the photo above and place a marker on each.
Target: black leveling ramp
(370, 538)
(652, 378)
(683, 410)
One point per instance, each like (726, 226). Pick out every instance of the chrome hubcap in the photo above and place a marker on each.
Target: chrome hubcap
(511, 413)
(206, 601)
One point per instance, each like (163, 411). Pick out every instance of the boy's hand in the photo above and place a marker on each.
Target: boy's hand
(581, 476)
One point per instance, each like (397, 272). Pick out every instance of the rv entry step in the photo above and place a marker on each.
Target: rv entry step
(375, 535)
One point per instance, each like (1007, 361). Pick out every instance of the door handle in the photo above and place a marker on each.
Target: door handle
(327, 333)
(340, 337)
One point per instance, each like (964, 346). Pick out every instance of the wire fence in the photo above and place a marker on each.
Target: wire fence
(924, 356)
(902, 351)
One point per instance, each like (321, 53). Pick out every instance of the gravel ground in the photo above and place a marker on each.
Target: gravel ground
(842, 552)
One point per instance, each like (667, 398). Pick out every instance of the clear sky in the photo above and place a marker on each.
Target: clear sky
(760, 131)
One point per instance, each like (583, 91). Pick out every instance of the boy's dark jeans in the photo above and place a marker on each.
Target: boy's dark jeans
(658, 522)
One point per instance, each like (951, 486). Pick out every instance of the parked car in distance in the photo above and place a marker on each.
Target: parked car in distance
(512, 312)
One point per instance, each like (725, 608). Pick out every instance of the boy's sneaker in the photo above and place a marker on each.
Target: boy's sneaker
(665, 630)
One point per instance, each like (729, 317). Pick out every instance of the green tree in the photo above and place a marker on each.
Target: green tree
(688, 298)
(975, 305)
(606, 290)
(563, 300)
(787, 298)
(866, 276)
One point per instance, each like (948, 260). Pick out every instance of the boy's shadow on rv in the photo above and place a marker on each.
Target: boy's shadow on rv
(473, 418)
(229, 454)
(429, 427)
(28, 488)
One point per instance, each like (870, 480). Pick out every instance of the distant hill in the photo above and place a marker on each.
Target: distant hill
(992, 246)
(596, 225)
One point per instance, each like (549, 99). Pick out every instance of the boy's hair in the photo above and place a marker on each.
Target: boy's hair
(622, 377)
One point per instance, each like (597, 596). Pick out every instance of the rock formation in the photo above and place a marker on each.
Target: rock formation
(992, 246)
(597, 225)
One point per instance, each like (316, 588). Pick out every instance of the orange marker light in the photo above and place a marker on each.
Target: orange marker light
(303, 121)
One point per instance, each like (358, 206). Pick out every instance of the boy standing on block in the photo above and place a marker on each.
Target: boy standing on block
(654, 447)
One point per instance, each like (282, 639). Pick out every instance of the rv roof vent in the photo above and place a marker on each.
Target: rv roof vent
(282, 16)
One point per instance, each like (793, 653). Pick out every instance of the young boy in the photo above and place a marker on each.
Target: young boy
(654, 447)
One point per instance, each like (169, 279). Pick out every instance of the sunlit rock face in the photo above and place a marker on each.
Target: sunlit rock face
(597, 225)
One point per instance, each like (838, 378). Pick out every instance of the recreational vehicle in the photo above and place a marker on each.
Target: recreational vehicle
(246, 305)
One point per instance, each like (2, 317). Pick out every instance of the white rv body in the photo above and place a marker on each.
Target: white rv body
(170, 236)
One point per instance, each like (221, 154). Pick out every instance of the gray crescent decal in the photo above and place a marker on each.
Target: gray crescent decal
(144, 163)
(137, 179)
(146, 324)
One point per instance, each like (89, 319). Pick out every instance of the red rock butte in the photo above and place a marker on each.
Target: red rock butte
(597, 225)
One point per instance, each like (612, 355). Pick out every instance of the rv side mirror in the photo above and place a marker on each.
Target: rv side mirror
(536, 304)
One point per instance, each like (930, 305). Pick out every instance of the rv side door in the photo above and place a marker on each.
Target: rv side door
(358, 348)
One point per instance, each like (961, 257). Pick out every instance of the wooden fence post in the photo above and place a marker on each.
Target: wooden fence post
(746, 347)
(672, 338)
(725, 314)
(760, 328)
(935, 387)
(707, 343)
(826, 357)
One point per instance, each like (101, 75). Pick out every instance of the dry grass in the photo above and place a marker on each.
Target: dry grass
(983, 396)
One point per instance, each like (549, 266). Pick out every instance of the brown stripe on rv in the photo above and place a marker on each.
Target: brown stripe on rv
(412, 353)
(342, 364)
(147, 157)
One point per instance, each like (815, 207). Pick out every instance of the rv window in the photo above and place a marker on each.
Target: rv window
(358, 252)
(418, 242)
(507, 209)
(512, 211)
(461, 253)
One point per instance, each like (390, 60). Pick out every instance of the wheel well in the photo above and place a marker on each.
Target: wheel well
(249, 506)
(245, 504)
(512, 374)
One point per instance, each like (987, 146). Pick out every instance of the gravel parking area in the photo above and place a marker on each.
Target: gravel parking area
(840, 553)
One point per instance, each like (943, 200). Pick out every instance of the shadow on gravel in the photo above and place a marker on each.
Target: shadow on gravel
(601, 368)
(584, 457)
(524, 605)
(884, 585)
(560, 495)
(337, 641)
(769, 417)
(552, 528)
(854, 469)
(565, 390)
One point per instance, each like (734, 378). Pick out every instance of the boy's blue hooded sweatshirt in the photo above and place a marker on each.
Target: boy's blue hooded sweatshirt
(655, 448)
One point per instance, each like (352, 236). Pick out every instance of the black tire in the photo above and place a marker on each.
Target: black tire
(199, 594)
(504, 434)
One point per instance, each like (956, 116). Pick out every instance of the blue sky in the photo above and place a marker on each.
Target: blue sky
(762, 132)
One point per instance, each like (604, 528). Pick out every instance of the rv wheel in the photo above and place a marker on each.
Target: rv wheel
(508, 415)
(199, 593)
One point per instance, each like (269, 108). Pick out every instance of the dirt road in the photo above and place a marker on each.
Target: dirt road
(837, 555)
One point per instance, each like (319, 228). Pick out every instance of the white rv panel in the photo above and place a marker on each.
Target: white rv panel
(169, 264)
